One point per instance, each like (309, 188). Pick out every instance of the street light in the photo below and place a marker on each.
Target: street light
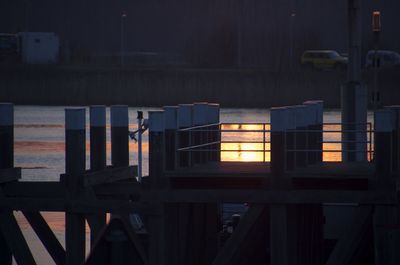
(123, 16)
(292, 17)
(376, 29)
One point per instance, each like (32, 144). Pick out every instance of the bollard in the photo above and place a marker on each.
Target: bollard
(170, 113)
(119, 136)
(98, 160)
(215, 134)
(6, 161)
(384, 127)
(75, 159)
(184, 120)
(301, 136)
(200, 117)
(318, 127)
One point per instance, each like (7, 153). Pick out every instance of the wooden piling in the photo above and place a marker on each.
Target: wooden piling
(395, 139)
(215, 135)
(200, 117)
(75, 159)
(386, 217)
(184, 120)
(157, 247)
(384, 127)
(278, 146)
(6, 161)
(279, 253)
(301, 136)
(290, 138)
(98, 161)
(171, 124)
(119, 136)
(317, 136)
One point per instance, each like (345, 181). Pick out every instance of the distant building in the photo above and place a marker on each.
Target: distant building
(213, 33)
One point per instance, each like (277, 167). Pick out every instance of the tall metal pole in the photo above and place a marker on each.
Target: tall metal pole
(239, 33)
(123, 16)
(354, 93)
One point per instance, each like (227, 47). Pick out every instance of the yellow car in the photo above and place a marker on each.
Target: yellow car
(323, 59)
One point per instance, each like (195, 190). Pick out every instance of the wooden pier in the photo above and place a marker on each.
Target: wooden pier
(180, 201)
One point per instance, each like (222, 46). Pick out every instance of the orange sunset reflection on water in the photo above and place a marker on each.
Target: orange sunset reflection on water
(252, 144)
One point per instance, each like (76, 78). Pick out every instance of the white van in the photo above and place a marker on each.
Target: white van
(384, 58)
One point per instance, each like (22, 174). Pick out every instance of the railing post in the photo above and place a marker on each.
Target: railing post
(214, 113)
(184, 120)
(98, 159)
(200, 116)
(75, 160)
(6, 161)
(170, 113)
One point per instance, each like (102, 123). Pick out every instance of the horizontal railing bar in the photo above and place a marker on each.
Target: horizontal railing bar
(198, 127)
(197, 146)
(245, 142)
(227, 150)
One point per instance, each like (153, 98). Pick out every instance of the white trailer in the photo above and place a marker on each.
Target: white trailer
(39, 47)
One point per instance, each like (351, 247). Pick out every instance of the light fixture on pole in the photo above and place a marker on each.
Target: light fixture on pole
(123, 16)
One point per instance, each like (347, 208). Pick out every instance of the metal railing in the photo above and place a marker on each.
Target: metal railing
(265, 134)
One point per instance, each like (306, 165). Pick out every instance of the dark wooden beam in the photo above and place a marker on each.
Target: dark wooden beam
(347, 245)
(10, 174)
(15, 239)
(36, 189)
(233, 245)
(46, 235)
(271, 197)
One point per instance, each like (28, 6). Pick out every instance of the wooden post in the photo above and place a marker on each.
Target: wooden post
(119, 136)
(384, 127)
(200, 117)
(6, 161)
(184, 120)
(311, 136)
(213, 112)
(157, 245)
(75, 158)
(170, 113)
(301, 136)
(395, 139)
(290, 138)
(279, 213)
(278, 146)
(386, 217)
(98, 159)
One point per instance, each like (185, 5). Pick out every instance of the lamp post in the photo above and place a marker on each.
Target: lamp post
(376, 29)
(123, 16)
(292, 17)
